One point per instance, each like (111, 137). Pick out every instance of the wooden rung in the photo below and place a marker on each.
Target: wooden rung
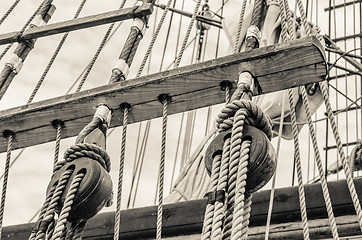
(276, 67)
(77, 24)
(187, 217)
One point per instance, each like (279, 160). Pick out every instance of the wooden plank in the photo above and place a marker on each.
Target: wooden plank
(77, 24)
(275, 67)
(187, 217)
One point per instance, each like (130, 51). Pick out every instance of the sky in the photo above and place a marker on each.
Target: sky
(30, 175)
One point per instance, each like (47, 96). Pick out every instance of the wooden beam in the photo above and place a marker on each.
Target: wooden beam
(187, 217)
(77, 24)
(276, 67)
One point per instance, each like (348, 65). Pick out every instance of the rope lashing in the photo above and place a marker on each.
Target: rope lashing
(253, 34)
(125, 107)
(80, 185)
(13, 66)
(9, 135)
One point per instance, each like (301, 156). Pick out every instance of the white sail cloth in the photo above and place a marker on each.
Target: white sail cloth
(193, 182)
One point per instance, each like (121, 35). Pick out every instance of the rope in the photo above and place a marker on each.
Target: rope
(155, 35)
(240, 23)
(120, 172)
(318, 160)
(239, 216)
(9, 11)
(55, 54)
(14, 65)
(67, 206)
(209, 212)
(345, 163)
(10, 138)
(57, 142)
(217, 220)
(285, 20)
(184, 43)
(165, 102)
(95, 57)
(48, 216)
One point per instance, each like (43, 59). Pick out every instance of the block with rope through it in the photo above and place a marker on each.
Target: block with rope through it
(262, 162)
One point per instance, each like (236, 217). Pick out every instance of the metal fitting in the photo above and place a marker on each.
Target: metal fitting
(15, 63)
(122, 66)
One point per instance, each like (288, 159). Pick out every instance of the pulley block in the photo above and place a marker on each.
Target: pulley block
(262, 162)
(94, 191)
(207, 14)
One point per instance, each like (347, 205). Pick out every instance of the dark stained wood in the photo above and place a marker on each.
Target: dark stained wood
(275, 67)
(77, 24)
(186, 218)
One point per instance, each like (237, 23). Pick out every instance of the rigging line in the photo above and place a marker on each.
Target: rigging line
(12, 163)
(286, 20)
(178, 35)
(167, 37)
(53, 57)
(95, 57)
(346, 69)
(240, 23)
(165, 101)
(155, 35)
(142, 157)
(9, 11)
(10, 137)
(85, 69)
(125, 111)
(177, 150)
(344, 95)
(184, 44)
(272, 191)
(219, 30)
(333, 50)
(188, 45)
(343, 55)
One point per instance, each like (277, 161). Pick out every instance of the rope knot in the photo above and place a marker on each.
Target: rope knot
(88, 150)
(253, 115)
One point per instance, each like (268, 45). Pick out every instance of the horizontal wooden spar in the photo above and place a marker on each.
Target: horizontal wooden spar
(276, 67)
(77, 24)
(186, 218)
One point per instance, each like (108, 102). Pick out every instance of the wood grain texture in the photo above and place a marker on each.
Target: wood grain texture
(276, 67)
(77, 24)
(187, 217)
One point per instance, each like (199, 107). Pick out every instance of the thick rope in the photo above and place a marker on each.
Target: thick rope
(57, 143)
(209, 212)
(154, 37)
(55, 54)
(235, 154)
(238, 216)
(161, 170)
(67, 206)
(48, 217)
(5, 181)
(120, 174)
(218, 218)
(9, 11)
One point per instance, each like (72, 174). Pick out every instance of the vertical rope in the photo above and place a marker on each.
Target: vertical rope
(235, 146)
(120, 172)
(219, 209)
(58, 125)
(165, 100)
(302, 204)
(10, 138)
(209, 212)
